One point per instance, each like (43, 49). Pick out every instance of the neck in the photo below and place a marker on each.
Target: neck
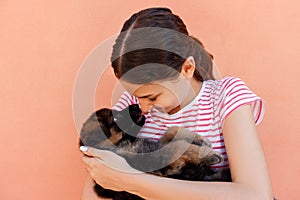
(195, 89)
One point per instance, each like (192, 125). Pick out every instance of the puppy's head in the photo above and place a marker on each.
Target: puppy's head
(106, 128)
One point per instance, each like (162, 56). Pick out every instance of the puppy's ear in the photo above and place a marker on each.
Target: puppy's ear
(93, 132)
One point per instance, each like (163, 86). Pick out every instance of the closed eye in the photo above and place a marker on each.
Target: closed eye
(152, 98)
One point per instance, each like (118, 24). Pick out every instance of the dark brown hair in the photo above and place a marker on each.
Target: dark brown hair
(153, 45)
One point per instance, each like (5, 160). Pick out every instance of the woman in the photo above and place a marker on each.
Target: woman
(169, 74)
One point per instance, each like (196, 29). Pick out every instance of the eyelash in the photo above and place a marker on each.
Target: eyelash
(152, 99)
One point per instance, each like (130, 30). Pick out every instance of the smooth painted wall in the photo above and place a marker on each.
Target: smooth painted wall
(44, 43)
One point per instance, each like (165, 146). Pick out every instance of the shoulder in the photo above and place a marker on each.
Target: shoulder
(224, 83)
(221, 89)
(230, 93)
(227, 86)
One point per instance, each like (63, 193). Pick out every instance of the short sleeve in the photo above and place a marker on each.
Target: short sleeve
(125, 100)
(234, 94)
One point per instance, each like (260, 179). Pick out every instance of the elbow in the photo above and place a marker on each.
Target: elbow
(261, 194)
(264, 196)
(254, 192)
(255, 195)
(264, 192)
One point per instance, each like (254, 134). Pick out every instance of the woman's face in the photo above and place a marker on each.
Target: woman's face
(166, 96)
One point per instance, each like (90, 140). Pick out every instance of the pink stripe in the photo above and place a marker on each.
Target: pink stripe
(235, 104)
(259, 112)
(216, 141)
(124, 98)
(190, 121)
(246, 103)
(247, 92)
(185, 116)
(177, 118)
(209, 130)
(127, 95)
(153, 128)
(228, 84)
(124, 106)
(230, 81)
(219, 167)
(234, 101)
(233, 89)
(215, 135)
(117, 107)
(219, 147)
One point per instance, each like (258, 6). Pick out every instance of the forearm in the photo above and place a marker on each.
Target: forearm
(88, 192)
(153, 187)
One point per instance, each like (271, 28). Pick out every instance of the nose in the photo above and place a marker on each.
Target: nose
(145, 106)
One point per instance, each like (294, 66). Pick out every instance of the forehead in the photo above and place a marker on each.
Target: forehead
(174, 85)
(143, 89)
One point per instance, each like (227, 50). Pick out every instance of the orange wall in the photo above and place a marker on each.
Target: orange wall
(43, 44)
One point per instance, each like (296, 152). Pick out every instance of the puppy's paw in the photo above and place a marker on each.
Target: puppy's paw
(209, 156)
(215, 158)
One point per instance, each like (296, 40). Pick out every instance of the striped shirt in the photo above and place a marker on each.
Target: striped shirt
(205, 114)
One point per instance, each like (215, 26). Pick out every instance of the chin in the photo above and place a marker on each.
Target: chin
(173, 110)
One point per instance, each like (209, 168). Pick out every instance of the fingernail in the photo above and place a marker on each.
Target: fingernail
(83, 148)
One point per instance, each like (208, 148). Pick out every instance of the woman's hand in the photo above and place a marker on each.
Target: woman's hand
(108, 169)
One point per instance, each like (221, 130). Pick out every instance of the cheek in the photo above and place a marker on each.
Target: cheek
(173, 99)
(168, 102)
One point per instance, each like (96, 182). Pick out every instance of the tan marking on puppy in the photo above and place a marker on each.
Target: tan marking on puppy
(182, 153)
(115, 137)
(204, 151)
(194, 154)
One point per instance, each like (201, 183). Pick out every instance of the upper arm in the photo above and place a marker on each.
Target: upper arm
(245, 154)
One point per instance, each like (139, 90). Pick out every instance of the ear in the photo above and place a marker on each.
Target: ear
(188, 68)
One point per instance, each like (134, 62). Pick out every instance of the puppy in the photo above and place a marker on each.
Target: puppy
(179, 154)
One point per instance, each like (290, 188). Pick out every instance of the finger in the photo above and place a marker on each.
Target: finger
(97, 153)
(91, 162)
(85, 150)
(90, 151)
(105, 157)
(87, 162)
